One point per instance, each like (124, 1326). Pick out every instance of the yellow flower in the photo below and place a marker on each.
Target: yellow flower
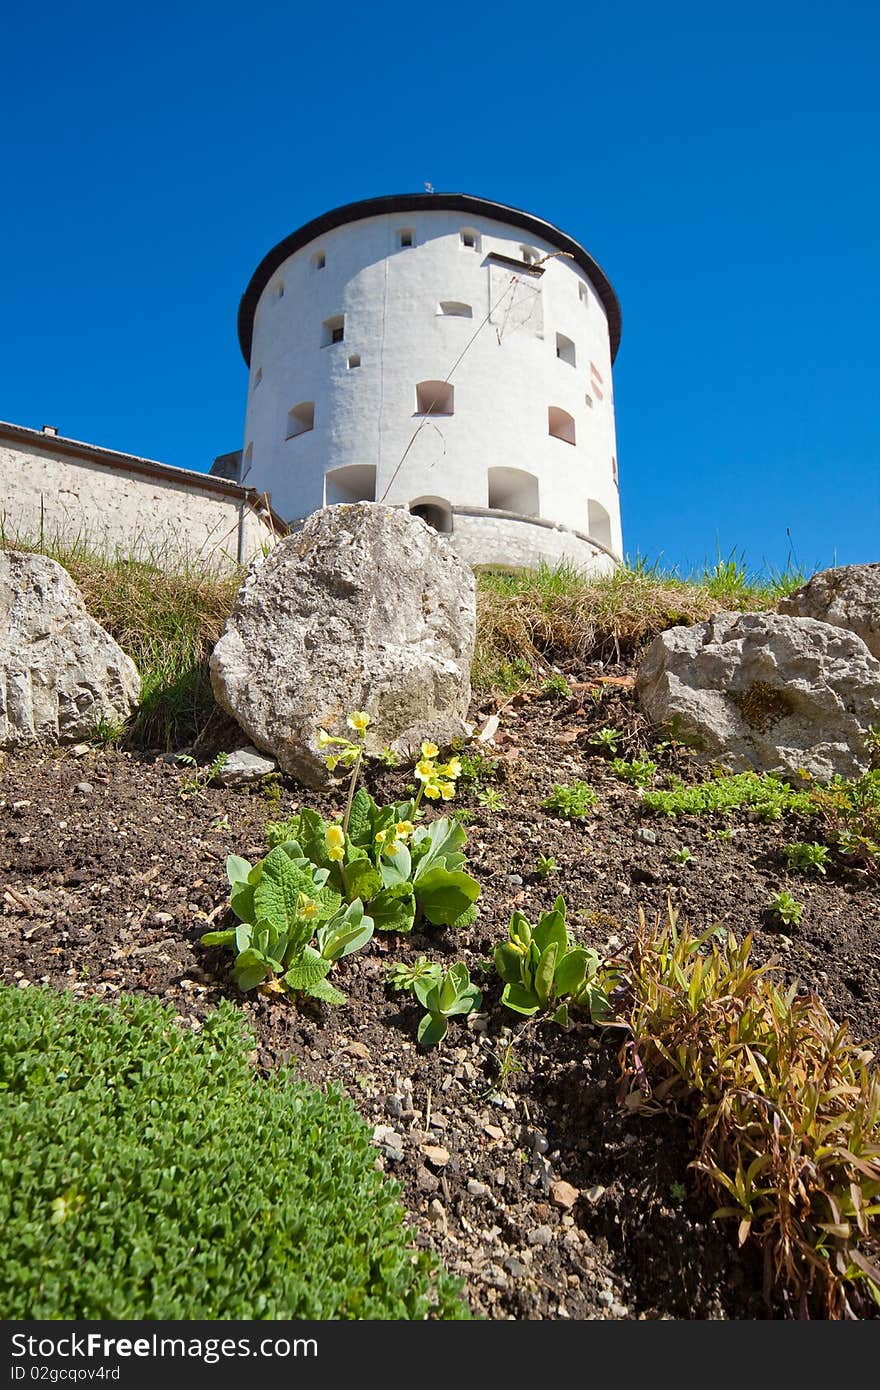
(447, 790)
(453, 768)
(358, 720)
(392, 849)
(335, 836)
(432, 791)
(380, 836)
(404, 827)
(425, 770)
(323, 738)
(429, 750)
(332, 764)
(305, 907)
(335, 852)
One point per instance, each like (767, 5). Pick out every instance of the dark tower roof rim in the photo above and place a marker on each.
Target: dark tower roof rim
(424, 202)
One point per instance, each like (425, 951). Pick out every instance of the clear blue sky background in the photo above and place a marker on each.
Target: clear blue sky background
(720, 164)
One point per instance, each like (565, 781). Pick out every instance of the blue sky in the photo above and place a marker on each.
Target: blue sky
(721, 164)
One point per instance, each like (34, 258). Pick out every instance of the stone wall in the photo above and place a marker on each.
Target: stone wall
(57, 490)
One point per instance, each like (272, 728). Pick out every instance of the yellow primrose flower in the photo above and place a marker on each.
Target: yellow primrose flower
(453, 768)
(335, 852)
(380, 836)
(335, 836)
(358, 720)
(447, 790)
(404, 827)
(429, 750)
(432, 791)
(305, 907)
(323, 738)
(332, 764)
(425, 770)
(392, 849)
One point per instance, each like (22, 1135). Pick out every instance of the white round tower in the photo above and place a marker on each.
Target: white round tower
(447, 354)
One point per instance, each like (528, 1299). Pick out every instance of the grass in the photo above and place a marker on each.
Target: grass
(148, 1172)
(784, 1104)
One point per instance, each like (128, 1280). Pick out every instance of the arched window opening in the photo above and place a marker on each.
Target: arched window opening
(584, 294)
(598, 523)
(436, 511)
(565, 350)
(300, 419)
(455, 309)
(247, 462)
(470, 239)
(561, 424)
(513, 490)
(278, 290)
(357, 483)
(435, 398)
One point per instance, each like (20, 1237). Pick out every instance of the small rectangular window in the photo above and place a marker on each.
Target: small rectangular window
(319, 260)
(584, 294)
(333, 330)
(405, 237)
(470, 239)
(354, 361)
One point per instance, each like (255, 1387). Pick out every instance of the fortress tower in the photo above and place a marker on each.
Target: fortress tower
(444, 353)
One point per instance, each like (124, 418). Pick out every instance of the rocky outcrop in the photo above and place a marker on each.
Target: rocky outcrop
(364, 609)
(847, 597)
(764, 691)
(61, 674)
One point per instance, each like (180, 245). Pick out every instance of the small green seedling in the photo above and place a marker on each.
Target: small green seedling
(545, 865)
(401, 976)
(807, 858)
(443, 999)
(607, 739)
(543, 972)
(555, 686)
(681, 856)
(574, 799)
(786, 908)
(491, 798)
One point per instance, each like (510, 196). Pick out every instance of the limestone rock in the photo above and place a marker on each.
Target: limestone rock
(244, 766)
(847, 597)
(765, 691)
(60, 672)
(364, 609)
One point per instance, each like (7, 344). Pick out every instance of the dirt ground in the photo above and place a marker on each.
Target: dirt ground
(112, 866)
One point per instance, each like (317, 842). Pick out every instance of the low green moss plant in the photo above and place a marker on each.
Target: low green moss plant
(571, 799)
(765, 795)
(148, 1173)
(638, 772)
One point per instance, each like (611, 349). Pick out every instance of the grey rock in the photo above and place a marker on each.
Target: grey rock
(243, 766)
(60, 672)
(848, 597)
(84, 788)
(515, 880)
(515, 1268)
(649, 836)
(540, 1235)
(604, 1298)
(766, 692)
(367, 609)
(477, 1189)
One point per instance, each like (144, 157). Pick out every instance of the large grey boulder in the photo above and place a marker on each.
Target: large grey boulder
(847, 597)
(367, 609)
(60, 672)
(763, 691)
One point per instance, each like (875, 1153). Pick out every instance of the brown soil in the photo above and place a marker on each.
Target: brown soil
(110, 871)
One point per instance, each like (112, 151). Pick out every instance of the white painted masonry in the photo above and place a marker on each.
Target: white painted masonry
(65, 491)
(439, 352)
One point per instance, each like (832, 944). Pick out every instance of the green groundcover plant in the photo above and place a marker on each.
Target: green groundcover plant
(147, 1172)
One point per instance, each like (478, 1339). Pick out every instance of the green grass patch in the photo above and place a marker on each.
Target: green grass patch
(147, 1172)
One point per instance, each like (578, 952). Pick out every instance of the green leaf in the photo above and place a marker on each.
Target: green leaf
(306, 970)
(545, 972)
(244, 935)
(443, 838)
(237, 869)
(560, 1016)
(396, 868)
(276, 897)
(251, 969)
(466, 1001)
(346, 932)
(394, 908)
(241, 900)
(520, 999)
(448, 991)
(311, 837)
(322, 989)
(427, 991)
(443, 896)
(571, 970)
(362, 880)
(551, 928)
(218, 938)
(507, 963)
(360, 821)
(432, 1030)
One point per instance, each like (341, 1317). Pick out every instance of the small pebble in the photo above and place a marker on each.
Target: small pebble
(161, 919)
(514, 1267)
(604, 1298)
(437, 1214)
(649, 836)
(540, 1235)
(562, 1194)
(85, 788)
(595, 1194)
(477, 1189)
(515, 880)
(437, 1156)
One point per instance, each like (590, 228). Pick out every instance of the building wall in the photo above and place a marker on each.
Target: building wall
(365, 416)
(44, 490)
